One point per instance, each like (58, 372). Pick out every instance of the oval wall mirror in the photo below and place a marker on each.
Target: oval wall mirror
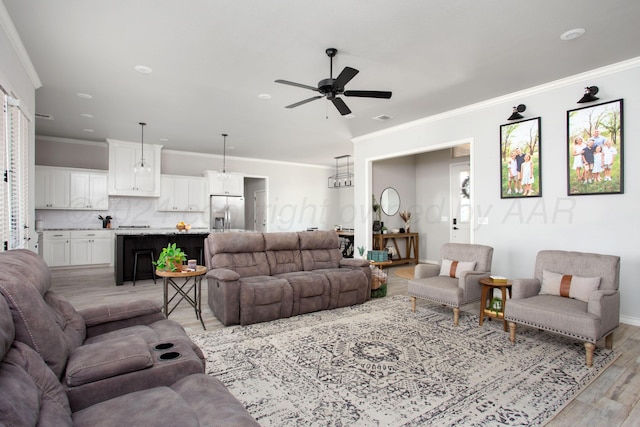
(390, 201)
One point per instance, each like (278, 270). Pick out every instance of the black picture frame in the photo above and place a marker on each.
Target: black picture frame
(520, 142)
(600, 125)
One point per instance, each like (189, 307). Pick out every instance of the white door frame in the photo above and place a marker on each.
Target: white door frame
(368, 179)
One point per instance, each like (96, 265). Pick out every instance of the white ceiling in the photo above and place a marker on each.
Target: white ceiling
(212, 58)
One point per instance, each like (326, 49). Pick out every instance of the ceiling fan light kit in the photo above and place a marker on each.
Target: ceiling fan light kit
(331, 88)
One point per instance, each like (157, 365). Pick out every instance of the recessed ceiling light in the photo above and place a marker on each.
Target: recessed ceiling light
(84, 95)
(164, 139)
(264, 96)
(382, 117)
(88, 130)
(572, 34)
(87, 115)
(143, 69)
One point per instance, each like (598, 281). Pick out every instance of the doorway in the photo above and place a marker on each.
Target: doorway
(260, 210)
(460, 188)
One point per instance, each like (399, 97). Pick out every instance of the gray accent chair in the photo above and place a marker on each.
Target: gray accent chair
(586, 321)
(453, 292)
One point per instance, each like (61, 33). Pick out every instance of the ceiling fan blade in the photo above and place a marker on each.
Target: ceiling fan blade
(297, 104)
(345, 76)
(368, 93)
(341, 106)
(286, 82)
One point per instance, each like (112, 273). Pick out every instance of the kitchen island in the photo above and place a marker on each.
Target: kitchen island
(130, 240)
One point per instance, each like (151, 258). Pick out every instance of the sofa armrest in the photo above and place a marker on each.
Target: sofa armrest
(469, 282)
(109, 317)
(426, 270)
(605, 303)
(525, 288)
(354, 262)
(106, 359)
(223, 275)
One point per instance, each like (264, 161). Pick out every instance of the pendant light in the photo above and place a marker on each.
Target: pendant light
(342, 179)
(142, 167)
(223, 173)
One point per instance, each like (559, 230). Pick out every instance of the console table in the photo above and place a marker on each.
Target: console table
(410, 250)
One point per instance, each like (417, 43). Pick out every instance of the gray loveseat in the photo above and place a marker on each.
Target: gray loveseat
(258, 277)
(30, 395)
(118, 364)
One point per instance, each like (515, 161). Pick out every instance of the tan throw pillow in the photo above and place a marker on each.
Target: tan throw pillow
(566, 285)
(454, 269)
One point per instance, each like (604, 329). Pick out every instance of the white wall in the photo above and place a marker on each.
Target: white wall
(19, 79)
(518, 229)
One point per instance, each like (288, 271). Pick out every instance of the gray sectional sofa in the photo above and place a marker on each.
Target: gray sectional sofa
(258, 277)
(121, 364)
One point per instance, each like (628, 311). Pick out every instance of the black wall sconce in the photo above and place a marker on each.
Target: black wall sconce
(589, 94)
(516, 112)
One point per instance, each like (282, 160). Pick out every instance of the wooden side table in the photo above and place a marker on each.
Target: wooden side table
(488, 285)
(196, 286)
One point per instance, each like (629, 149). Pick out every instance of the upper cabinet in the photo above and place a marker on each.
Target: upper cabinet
(67, 188)
(182, 194)
(89, 190)
(229, 184)
(122, 180)
(52, 188)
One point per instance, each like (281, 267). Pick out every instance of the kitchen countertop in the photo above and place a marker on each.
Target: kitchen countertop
(139, 231)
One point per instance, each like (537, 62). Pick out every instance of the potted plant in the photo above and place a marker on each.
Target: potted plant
(377, 223)
(171, 258)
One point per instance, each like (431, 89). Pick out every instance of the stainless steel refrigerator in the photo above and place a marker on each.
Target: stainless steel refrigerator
(226, 213)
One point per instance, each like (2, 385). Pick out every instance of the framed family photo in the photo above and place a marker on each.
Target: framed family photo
(520, 159)
(595, 159)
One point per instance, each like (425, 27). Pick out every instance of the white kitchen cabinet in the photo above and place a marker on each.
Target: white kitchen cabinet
(123, 181)
(52, 188)
(89, 190)
(77, 247)
(181, 194)
(55, 248)
(229, 184)
(70, 188)
(91, 247)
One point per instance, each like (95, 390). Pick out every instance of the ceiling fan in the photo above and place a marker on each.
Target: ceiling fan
(331, 88)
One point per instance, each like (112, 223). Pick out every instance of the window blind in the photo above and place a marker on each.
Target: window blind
(14, 194)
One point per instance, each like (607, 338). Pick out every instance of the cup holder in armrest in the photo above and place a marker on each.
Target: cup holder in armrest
(169, 356)
(163, 346)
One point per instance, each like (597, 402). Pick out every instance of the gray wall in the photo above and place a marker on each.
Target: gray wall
(518, 229)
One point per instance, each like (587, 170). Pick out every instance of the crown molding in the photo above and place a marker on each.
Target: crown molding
(14, 38)
(514, 96)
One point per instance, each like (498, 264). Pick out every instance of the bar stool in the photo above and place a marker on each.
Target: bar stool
(143, 252)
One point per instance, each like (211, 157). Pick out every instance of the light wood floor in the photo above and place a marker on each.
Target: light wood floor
(611, 400)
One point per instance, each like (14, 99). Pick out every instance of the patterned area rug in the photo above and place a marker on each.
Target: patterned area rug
(379, 364)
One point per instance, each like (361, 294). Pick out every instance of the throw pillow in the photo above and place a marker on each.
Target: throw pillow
(454, 269)
(566, 285)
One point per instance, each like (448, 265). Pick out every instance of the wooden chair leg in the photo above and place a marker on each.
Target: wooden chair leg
(413, 304)
(512, 332)
(590, 347)
(456, 315)
(608, 341)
